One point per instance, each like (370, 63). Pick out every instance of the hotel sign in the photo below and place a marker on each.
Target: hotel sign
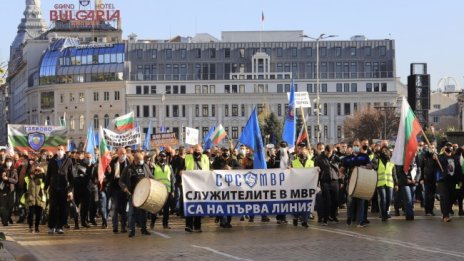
(78, 13)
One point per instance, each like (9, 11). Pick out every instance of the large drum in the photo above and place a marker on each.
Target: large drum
(363, 183)
(150, 195)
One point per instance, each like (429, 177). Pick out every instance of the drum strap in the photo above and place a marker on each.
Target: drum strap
(198, 165)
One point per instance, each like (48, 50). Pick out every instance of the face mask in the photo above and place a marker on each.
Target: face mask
(8, 164)
(196, 154)
(44, 157)
(141, 163)
(60, 154)
(365, 147)
(448, 150)
(356, 149)
(302, 155)
(243, 152)
(123, 158)
(225, 155)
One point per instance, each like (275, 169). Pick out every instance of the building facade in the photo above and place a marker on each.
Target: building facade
(445, 113)
(194, 81)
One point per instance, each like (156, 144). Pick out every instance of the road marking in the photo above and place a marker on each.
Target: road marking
(390, 241)
(161, 235)
(221, 253)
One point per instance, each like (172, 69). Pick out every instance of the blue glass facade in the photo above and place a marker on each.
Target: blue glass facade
(68, 62)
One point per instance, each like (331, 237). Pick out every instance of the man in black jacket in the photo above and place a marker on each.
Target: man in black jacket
(59, 181)
(428, 179)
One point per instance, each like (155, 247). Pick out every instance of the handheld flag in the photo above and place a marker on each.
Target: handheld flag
(90, 143)
(208, 143)
(218, 134)
(124, 122)
(251, 137)
(146, 143)
(303, 136)
(406, 141)
(288, 134)
(105, 157)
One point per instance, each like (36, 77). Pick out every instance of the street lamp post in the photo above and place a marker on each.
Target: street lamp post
(318, 103)
(163, 98)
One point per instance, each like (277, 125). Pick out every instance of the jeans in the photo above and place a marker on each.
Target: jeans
(119, 203)
(356, 205)
(385, 195)
(137, 215)
(103, 205)
(429, 197)
(408, 200)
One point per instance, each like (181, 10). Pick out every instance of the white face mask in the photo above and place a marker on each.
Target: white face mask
(9, 164)
(141, 162)
(44, 157)
(243, 152)
(123, 158)
(60, 154)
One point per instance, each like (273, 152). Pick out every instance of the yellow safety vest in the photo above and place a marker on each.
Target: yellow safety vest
(297, 164)
(385, 174)
(190, 162)
(163, 176)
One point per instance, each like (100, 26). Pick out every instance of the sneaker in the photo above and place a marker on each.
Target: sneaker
(93, 222)
(132, 233)
(362, 225)
(335, 220)
(187, 229)
(265, 219)
(145, 232)
(60, 231)
(325, 223)
(197, 230)
(304, 224)
(311, 216)
(51, 231)
(36, 230)
(242, 218)
(367, 221)
(115, 231)
(295, 222)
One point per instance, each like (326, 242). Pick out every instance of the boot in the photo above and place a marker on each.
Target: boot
(76, 224)
(104, 225)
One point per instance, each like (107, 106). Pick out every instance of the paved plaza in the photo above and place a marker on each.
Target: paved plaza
(426, 238)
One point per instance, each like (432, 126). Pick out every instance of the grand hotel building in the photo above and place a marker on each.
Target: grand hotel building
(194, 81)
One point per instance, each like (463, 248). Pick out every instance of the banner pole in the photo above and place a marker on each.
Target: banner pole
(435, 153)
(306, 128)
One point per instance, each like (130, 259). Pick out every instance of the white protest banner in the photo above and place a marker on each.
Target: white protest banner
(249, 192)
(301, 99)
(191, 136)
(118, 140)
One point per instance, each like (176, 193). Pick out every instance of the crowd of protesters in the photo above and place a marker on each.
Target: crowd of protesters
(62, 190)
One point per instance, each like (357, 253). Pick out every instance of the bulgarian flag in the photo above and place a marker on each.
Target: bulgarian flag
(406, 141)
(125, 122)
(218, 134)
(105, 157)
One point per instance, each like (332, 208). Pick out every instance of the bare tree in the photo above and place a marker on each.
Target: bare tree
(371, 123)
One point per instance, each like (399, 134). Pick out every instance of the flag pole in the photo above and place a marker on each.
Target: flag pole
(435, 153)
(305, 127)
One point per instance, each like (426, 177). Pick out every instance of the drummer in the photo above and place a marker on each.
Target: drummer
(164, 174)
(130, 176)
(359, 158)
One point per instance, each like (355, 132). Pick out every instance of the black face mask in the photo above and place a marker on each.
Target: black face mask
(213, 155)
(197, 154)
(365, 147)
(302, 156)
(225, 155)
(448, 150)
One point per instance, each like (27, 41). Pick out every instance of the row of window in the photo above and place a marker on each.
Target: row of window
(81, 78)
(212, 53)
(80, 97)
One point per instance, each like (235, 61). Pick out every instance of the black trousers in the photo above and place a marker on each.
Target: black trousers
(193, 223)
(6, 203)
(57, 212)
(37, 211)
(82, 200)
(166, 208)
(429, 197)
(329, 204)
(444, 189)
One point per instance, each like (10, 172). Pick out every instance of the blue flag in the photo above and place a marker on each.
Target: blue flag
(208, 143)
(90, 147)
(288, 133)
(146, 143)
(251, 137)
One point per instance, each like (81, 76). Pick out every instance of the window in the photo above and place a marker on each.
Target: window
(153, 89)
(62, 98)
(309, 51)
(95, 96)
(197, 110)
(81, 122)
(339, 132)
(324, 87)
(183, 54)
(326, 131)
(368, 87)
(154, 53)
(139, 53)
(339, 87)
(280, 88)
(437, 106)
(168, 54)
(323, 51)
(436, 119)
(226, 110)
(279, 110)
(227, 53)
(346, 87)
(205, 110)
(182, 89)
(168, 89)
(294, 52)
(96, 121)
(197, 53)
(367, 51)
(175, 89)
(234, 88)
(234, 132)
(167, 111)
(213, 110)
(205, 89)
(71, 97)
(338, 51)
(234, 110)
(355, 107)
(376, 87)
(347, 108)
(72, 123)
(243, 109)
(280, 52)
(183, 110)
(106, 96)
(352, 51)
(309, 87)
(339, 109)
(226, 88)
(384, 87)
(106, 120)
(212, 53)
(137, 111)
(354, 87)
(242, 52)
(197, 89)
(212, 89)
(138, 89)
(241, 88)
(153, 111)
(146, 111)
(117, 96)
(325, 109)
(382, 50)
(175, 111)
